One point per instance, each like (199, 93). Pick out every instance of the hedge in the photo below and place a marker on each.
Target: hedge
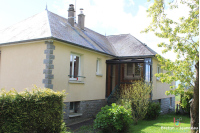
(38, 110)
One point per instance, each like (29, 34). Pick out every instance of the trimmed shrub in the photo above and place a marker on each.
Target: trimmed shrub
(40, 110)
(153, 111)
(113, 119)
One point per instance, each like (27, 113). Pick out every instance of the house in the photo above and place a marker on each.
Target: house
(54, 52)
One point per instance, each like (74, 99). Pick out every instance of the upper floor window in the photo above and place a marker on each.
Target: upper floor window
(74, 66)
(98, 66)
(159, 70)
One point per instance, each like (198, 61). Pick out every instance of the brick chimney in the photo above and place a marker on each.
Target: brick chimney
(81, 19)
(71, 15)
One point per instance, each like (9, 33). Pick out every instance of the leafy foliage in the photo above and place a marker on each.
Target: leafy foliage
(183, 39)
(138, 94)
(113, 119)
(185, 98)
(153, 111)
(40, 110)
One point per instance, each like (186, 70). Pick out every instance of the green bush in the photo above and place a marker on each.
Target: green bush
(153, 111)
(40, 110)
(113, 118)
(138, 94)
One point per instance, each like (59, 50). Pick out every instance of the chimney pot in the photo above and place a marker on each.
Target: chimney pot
(81, 19)
(81, 10)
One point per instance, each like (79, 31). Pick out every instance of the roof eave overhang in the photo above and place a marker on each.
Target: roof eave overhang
(24, 41)
(74, 44)
(139, 56)
(53, 38)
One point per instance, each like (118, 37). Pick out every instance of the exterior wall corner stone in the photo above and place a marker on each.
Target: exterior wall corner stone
(47, 81)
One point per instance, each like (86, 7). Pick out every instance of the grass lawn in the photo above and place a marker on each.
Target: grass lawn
(163, 124)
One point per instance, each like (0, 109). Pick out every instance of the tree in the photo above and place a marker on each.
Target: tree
(183, 39)
(136, 96)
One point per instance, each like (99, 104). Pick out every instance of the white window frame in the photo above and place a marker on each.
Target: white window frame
(72, 54)
(98, 67)
(159, 70)
(131, 76)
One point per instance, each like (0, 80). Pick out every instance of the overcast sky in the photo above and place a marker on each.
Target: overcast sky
(107, 17)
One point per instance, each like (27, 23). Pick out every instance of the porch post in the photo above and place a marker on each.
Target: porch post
(111, 76)
(119, 69)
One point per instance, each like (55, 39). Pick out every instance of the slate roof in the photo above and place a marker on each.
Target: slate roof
(47, 25)
(128, 45)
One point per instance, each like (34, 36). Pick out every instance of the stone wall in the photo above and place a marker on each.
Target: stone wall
(167, 105)
(89, 109)
(84, 110)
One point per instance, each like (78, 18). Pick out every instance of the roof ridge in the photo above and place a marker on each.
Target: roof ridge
(105, 49)
(118, 35)
(95, 31)
(96, 42)
(49, 22)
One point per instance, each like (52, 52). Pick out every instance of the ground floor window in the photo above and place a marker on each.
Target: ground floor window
(74, 109)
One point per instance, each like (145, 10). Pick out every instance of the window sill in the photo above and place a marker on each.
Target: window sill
(74, 114)
(132, 78)
(158, 79)
(99, 75)
(76, 82)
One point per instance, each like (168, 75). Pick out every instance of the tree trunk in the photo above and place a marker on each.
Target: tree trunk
(194, 108)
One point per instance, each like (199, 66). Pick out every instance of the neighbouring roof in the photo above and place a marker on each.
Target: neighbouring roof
(47, 25)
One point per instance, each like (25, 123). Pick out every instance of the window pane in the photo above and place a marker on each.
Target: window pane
(76, 66)
(129, 69)
(97, 66)
(147, 73)
(71, 108)
(71, 105)
(137, 69)
(71, 57)
(159, 70)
